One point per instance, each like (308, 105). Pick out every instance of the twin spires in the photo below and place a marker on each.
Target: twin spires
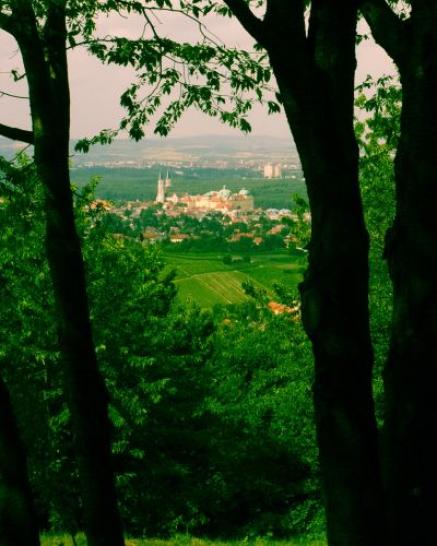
(163, 184)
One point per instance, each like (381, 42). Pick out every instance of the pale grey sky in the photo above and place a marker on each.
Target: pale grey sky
(95, 89)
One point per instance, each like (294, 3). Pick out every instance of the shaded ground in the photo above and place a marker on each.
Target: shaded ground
(66, 540)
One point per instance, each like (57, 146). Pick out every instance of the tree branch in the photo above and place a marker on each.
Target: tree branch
(251, 23)
(425, 7)
(387, 29)
(11, 95)
(55, 20)
(6, 23)
(16, 134)
(284, 21)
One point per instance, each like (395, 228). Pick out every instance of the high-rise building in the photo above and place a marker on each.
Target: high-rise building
(273, 171)
(277, 171)
(268, 170)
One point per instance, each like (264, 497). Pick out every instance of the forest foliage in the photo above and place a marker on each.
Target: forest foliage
(211, 411)
(212, 416)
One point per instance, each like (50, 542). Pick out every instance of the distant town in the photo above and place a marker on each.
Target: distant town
(216, 192)
(221, 218)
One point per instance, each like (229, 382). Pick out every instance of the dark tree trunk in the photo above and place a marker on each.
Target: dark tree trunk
(335, 314)
(18, 520)
(411, 250)
(44, 56)
(317, 92)
(410, 376)
(315, 70)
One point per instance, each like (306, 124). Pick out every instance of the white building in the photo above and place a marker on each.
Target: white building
(277, 171)
(268, 170)
(273, 171)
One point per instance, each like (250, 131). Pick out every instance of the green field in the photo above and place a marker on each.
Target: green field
(202, 277)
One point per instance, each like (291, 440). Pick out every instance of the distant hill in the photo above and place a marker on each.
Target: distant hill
(8, 148)
(209, 149)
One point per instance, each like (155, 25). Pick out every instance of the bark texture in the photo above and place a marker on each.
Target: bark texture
(410, 428)
(18, 520)
(335, 289)
(315, 74)
(411, 371)
(44, 56)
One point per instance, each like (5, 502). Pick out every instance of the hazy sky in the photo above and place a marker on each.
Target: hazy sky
(95, 89)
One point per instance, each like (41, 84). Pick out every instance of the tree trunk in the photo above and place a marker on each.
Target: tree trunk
(45, 62)
(18, 520)
(335, 316)
(411, 250)
(83, 385)
(317, 92)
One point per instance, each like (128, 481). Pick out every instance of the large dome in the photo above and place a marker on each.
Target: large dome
(243, 192)
(224, 193)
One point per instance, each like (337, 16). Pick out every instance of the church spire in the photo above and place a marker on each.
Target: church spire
(167, 181)
(160, 190)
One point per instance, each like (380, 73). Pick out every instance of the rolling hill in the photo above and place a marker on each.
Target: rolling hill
(205, 279)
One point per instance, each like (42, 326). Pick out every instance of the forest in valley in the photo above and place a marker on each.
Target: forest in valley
(130, 415)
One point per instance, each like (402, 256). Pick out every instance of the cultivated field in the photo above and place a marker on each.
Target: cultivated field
(204, 278)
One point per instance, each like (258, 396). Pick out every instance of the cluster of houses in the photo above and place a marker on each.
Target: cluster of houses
(236, 207)
(153, 235)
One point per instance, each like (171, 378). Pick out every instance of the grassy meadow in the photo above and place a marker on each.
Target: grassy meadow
(202, 277)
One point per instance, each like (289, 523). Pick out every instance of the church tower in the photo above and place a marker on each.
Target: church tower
(160, 193)
(167, 183)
